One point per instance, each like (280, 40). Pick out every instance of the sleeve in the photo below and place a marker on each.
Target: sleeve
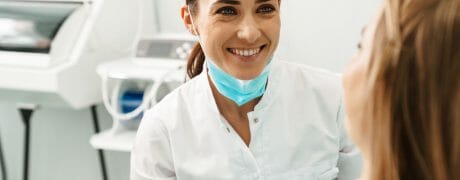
(350, 160)
(151, 156)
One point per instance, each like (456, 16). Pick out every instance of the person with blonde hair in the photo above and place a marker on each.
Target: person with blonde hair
(402, 92)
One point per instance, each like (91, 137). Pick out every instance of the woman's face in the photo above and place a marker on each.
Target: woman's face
(238, 35)
(355, 83)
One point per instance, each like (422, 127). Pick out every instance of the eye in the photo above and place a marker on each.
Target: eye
(266, 9)
(359, 46)
(226, 11)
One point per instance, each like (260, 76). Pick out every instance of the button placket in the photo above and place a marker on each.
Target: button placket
(228, 129)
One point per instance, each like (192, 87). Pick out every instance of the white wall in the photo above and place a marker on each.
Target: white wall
(169, 15)
(321, 33)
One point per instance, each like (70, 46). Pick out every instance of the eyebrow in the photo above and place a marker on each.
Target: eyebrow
(232, 2)
(236, 2)
(261, 1)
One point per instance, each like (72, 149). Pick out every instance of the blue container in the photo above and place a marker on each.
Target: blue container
(129, 101)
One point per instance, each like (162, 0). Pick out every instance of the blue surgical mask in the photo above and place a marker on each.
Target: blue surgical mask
(239, 91)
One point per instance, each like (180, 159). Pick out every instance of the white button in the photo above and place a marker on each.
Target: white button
(256, 120)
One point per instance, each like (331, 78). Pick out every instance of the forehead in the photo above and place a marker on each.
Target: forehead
(234, 2)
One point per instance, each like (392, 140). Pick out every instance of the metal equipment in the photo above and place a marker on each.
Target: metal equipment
(138, 83)
(49, 50)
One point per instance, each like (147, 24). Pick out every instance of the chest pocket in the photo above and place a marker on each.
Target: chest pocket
(320, 172)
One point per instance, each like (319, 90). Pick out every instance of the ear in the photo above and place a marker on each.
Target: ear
(187, 19)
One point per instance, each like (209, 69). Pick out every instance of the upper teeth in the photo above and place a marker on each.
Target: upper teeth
(246, 52)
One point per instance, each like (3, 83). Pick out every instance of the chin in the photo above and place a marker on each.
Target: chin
(249, 75)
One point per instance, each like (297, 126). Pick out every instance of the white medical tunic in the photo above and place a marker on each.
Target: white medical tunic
(297, 132)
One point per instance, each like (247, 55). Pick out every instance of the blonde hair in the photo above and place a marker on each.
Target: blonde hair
(414, 91)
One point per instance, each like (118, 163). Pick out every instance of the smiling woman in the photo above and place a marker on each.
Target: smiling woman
(226, 32)
(244, 115)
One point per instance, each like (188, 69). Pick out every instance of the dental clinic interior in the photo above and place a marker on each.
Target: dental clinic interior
(77, 75)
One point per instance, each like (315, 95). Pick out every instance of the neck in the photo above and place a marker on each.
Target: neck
(228, 107)
(365, 173)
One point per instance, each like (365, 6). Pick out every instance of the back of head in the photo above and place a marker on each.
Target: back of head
(415, 91)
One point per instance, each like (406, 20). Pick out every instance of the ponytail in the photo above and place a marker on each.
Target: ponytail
(195, 61)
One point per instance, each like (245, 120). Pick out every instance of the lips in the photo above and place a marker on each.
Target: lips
(246, 52)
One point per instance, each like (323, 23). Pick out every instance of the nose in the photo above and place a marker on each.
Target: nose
(249, 30)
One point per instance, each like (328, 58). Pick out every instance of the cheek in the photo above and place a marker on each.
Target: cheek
(354, 84)
(351, 91)
(354, 81)
(273, 29)
(214, 39)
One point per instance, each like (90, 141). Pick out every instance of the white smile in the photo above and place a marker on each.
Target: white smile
(246, 52)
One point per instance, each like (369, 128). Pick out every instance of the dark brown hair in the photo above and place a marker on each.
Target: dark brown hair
(414, 80)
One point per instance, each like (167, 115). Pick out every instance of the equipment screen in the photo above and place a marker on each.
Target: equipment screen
(172, 49)
(31, 26)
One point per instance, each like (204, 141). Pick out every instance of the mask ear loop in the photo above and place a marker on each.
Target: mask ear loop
(193, 30)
